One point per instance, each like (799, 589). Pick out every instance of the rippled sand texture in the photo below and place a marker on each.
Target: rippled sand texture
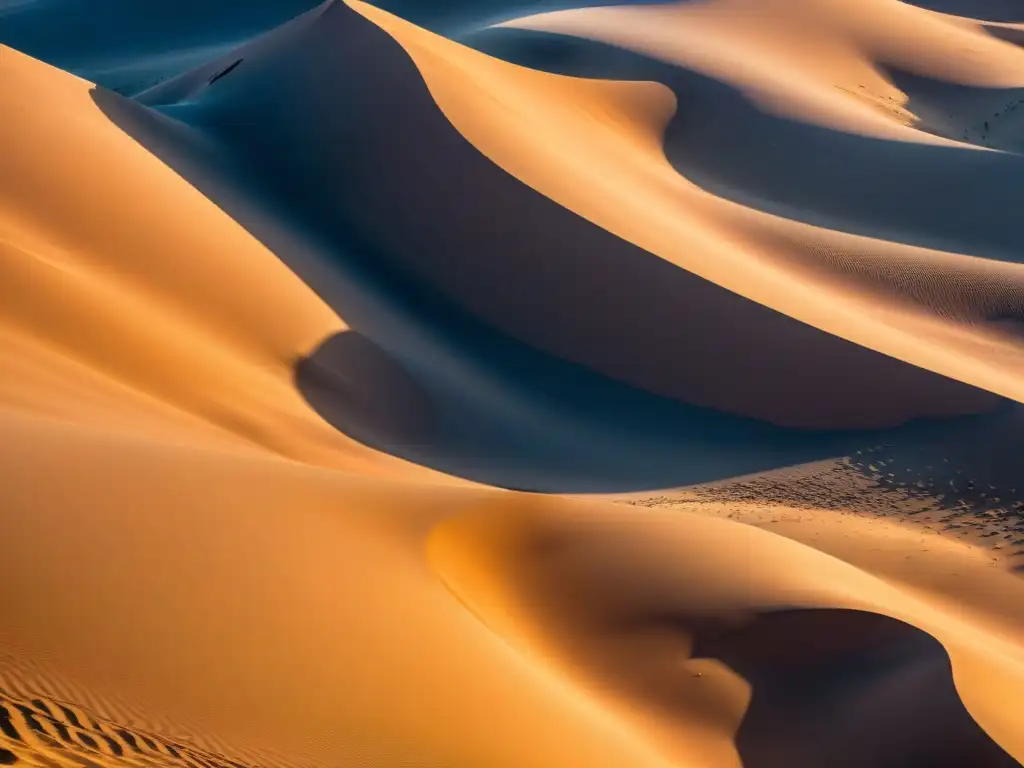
(482, 385)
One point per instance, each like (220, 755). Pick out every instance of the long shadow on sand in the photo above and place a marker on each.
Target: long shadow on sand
(332, 152)
(946, 198)
(848, 689)
(1013, 35)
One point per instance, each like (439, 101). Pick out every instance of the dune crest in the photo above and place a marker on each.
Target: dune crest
(609, 159)
(79, 258)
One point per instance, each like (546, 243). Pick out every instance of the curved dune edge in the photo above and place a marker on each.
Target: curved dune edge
(201, 361)
(620, 180)
(618, 602)
(412, 159)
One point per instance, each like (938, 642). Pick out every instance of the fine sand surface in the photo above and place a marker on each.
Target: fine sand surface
(500, 386)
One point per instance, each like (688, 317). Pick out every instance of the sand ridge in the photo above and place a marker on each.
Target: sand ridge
(537, 314)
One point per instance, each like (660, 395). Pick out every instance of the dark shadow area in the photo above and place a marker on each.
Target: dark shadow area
(1009, 34)
(332, 153)
(946, 198)
(359, 389)
(502, 412)
(984, 10)
(848, 689)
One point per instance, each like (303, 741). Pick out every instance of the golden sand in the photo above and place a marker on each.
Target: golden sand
(198, 569)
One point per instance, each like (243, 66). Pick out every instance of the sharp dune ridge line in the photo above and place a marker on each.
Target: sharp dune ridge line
(288, 338)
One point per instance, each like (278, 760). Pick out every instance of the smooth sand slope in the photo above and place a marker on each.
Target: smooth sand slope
(207, 563)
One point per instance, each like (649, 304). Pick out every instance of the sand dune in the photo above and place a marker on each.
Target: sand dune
(533, 578)
(249, 109)
(680, 223)
(74, 270)
(278, 334)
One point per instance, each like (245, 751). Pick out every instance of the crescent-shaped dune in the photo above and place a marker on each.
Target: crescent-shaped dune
(621, 386)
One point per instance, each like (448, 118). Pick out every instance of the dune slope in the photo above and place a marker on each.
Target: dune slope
(407, 146)
(263, 326)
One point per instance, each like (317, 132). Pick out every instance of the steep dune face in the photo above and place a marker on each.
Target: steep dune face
(207, 564)
(81, 258)
(562, 254)
(819, 251)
